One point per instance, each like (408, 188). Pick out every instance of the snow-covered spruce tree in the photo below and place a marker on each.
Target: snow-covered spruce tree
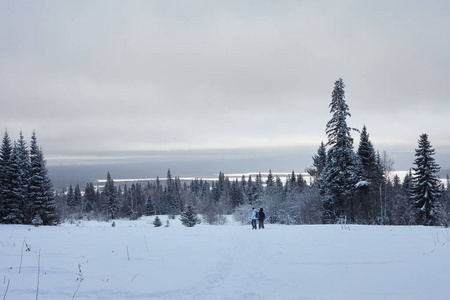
(189, 217)
(89, 197)
(77, 198)
(149, 207)
(367, 155)
(425, 191)
(157, 222)
(15, 196)
(444, 207)
(368, 193)
(40, 186)
(341, 173)
(5, 180)
(112, 201)
(319, 162)
(24, 165)
(70, 197)
(172, 196)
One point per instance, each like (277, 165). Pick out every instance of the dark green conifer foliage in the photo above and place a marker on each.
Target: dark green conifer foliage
(112, 201)
(426, 185)
(5, 179)
(189, 217)
(149, 207)
(40, 188)
(89, 197)
(77, 196)
(319, 161)
(371, 168)
(341, 173)
(157, 222)
(23, 165)
(70, 197)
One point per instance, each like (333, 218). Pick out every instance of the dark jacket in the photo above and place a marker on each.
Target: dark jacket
(262, 216)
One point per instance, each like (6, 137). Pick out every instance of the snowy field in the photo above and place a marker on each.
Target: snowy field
(135, 260)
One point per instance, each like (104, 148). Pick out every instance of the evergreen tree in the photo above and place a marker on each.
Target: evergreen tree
(189, 217)
(89, 197)
(149, 207)
(5, 181)
(368, 192)
(13, 192)
(319, 162)
(369, 161)
(70, 197)
(172, 196)
(407, 184)
(111, 197)
(426, 184)
(40, 189)
(77, 198)
(237, 194)
(341, 172)
(157, 222)
(23, 169)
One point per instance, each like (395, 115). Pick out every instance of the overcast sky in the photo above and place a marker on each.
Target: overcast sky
(99, 80)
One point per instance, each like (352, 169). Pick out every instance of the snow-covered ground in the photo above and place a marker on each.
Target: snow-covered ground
(135, 260)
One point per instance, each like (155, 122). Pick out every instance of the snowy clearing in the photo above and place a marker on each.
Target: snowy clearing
(135, 260)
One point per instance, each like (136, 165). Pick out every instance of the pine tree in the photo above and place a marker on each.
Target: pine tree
(368, 191)
(149, 207)
(77, 198)
(407, 184)
(111, 197)
(369, 161)
(426, 184)
(40, 188)
(5, 181)
(23, 162)
(70, 197)
(157, 222)
(189, 217)
(341, 173)
(319, 162)
(89, 197)
(13, 191)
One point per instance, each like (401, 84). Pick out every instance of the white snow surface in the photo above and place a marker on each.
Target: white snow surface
(135, 260)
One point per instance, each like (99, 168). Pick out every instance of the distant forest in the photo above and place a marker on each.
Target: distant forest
(344, 186)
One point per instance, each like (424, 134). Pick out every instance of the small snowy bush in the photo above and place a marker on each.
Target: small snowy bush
(189, 217)
(157, 222)
(243, 213)
(37, 221)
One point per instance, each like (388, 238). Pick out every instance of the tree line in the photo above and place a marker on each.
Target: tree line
(342, 184)
(26, 194)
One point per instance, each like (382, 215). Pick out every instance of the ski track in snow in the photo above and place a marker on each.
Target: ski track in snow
(135, 260)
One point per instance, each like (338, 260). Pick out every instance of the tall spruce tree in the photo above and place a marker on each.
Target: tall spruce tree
(13, 193)
(40, 188)
(426, 184)
(319, 162)
(368, 193)
(112, 201)
(77, 196)
(23, 161)
(341, 173)
(89, 197)
(366, 153)
(70, 197)
(5, 178)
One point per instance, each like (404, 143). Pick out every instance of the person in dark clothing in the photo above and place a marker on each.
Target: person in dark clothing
(262, 217)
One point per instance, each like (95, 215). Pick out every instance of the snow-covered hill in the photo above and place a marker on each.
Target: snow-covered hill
(135, 260)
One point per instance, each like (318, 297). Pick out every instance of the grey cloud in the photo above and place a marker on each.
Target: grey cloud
(144, 76)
